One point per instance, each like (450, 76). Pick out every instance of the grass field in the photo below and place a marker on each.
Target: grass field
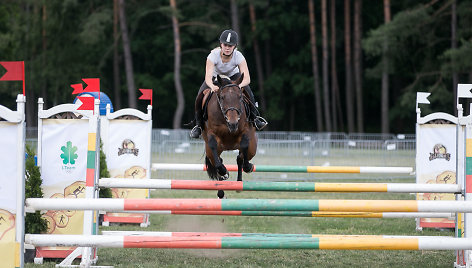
(274, 257)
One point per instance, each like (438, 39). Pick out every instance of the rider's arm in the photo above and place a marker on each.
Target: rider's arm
(243, 69)
(210, 66)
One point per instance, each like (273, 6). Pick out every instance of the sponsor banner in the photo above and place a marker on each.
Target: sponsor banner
(436, 163)
(7, 226)
(63, 170)
(8, 165)
(128, 142)
(128, 156)
(8, 193)
(9, 253)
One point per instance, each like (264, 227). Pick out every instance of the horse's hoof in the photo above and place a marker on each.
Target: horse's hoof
(250, 169)
(220, 194)
(224, 177)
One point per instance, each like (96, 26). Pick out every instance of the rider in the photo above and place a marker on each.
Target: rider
(226, 60)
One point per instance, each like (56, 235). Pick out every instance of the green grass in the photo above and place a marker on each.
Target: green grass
(279, 257)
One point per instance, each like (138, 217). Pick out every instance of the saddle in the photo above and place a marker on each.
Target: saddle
(206, 99)
(207, 93)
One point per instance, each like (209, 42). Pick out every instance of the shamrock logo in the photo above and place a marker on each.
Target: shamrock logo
(69, 154)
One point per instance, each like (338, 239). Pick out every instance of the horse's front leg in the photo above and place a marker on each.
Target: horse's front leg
(222, 171)
(240, 162)
(243, 149)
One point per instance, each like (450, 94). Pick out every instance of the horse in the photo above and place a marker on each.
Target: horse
(228, 128)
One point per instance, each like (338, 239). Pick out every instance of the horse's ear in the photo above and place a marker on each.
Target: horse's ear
(240, 79)
(219, 80)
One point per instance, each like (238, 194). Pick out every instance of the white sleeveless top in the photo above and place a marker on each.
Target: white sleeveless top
(229, 68)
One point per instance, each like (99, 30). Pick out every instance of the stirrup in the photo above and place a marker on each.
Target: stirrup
(195, 132)
(260, 123)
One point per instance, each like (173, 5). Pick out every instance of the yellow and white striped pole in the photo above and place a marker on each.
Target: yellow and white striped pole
(190, 204)
(460, 176)
(255, 241)
(89, 227)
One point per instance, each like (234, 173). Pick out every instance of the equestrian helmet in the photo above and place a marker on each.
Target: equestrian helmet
(229, 37)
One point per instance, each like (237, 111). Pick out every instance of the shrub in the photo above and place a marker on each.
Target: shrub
(34, 224)
(104, 192)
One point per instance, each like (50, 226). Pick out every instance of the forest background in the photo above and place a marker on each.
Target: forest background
(316, 65)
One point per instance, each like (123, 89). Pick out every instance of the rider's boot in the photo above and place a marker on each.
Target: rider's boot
(259, 121)
(197, 129)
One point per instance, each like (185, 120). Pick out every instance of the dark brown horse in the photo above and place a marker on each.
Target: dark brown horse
(228, 128)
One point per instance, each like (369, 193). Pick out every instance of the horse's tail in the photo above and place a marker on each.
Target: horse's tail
(211, 170)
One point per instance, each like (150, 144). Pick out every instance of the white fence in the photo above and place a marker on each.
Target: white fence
(291, 148)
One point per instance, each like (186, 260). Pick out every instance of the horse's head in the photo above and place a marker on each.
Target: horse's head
(230, 99)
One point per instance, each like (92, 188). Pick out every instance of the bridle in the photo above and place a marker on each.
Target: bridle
(224, 111)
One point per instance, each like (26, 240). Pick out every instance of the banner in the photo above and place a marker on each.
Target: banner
(8, 192)
(63, 169)
(128, 156)
(8, 158)
(436, 163)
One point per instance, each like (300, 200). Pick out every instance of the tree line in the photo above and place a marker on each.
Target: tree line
(316, 65)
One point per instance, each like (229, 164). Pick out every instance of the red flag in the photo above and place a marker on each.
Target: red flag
(147, 94)
(87, 103)
(14, 72)
(93, 85)
(78, 88)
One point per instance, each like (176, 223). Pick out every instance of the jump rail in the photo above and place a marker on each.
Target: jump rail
(294, 169)
(279, 186)
(252, 241)
(249, 205)
(215, 234)
(317, 214)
